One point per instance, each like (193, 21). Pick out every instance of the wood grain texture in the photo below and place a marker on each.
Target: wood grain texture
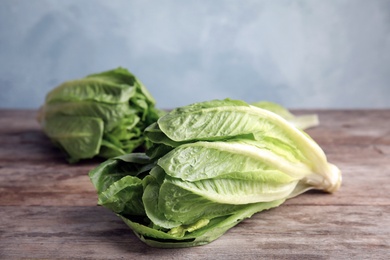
(48, 207)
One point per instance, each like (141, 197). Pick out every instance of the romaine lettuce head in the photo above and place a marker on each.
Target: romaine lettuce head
(102, 114)
(212, 164)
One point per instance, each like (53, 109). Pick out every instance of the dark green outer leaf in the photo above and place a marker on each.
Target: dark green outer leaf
(123, 76)
(114, 169)
(91, 89)
(216, 228)
(80, 137)
(111, 114)
(124, 196)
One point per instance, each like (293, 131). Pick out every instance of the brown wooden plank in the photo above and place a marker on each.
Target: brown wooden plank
(66, 185)
(315, 232)
(51, 184)
(48, 207)
(43, 177)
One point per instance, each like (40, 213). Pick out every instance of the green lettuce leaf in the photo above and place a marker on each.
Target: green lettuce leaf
(76, 135)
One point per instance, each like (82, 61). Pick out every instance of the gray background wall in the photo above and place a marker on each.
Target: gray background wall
(302, 54)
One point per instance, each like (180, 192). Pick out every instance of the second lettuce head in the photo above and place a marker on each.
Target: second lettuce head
(102, 115)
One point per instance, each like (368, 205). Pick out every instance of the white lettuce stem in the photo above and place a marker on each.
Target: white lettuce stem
(329, 182)
(331, 175)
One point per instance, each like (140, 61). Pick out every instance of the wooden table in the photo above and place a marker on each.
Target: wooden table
(48, 208)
